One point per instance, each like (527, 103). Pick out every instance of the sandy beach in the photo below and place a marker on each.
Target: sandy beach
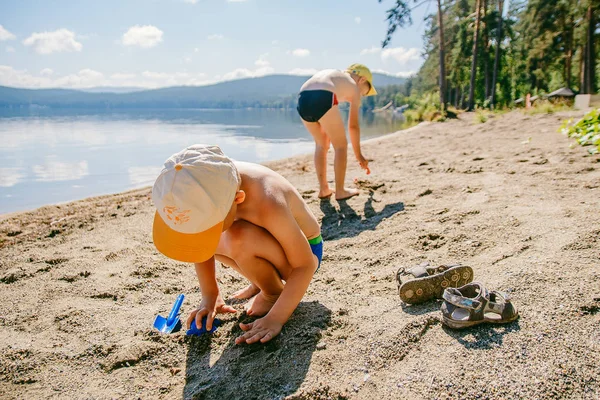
(81, 283)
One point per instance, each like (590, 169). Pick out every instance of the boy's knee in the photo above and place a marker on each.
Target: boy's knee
(235, 238)
(322, 146)
(340, 146)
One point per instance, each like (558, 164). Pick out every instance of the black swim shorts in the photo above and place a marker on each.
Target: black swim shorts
(313, 104)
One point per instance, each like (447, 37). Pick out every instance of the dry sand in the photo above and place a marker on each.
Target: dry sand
(81, 283)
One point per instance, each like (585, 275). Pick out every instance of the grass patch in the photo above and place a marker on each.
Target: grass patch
(547, 107)
(482, 116)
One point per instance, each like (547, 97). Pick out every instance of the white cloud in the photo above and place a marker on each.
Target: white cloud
(190, 1)
(10, 176)
(122, 76)
(46, 72)
(274, 42)
(303, 71)
(5, 35)
(357, 20)
(236, 1)
(402, 74)
(241, 73)
(144, 36)
(53, 170)
(300, 53)
(155, 75)
(53, 42)
(10, 49)
(262, 61)
(372, 50)
(401, 55)
(85, 78)
(215, 36)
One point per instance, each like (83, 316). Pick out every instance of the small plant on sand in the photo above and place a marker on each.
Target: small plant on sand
(586, 130)
(481, 116)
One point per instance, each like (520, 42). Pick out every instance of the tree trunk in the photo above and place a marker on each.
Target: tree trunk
(442, 60)
(474, 60)
(457, 97)
(583, 51)
(497, 57)
(569, 55)
(486, 52)
(589, 67)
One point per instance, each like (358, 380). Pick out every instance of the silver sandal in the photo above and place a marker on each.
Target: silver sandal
(473, 304)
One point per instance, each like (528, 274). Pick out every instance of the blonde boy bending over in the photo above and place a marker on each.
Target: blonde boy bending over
(318, 107)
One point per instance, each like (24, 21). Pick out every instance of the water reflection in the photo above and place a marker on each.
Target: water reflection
(10, 176)
(51, 156)
(54, 171)
(143, 176)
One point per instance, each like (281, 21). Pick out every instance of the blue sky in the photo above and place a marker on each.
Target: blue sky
(156, 43)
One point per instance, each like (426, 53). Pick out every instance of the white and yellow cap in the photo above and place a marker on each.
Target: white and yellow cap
(192, 195)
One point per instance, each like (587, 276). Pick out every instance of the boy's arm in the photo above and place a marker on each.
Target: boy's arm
(354, 129)
(211, 303)
(280, 222)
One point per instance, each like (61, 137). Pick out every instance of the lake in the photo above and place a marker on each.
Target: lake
(55, 156)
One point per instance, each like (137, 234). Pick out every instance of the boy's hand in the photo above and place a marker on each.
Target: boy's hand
(364, 163)
(209, 308)
(263, 329)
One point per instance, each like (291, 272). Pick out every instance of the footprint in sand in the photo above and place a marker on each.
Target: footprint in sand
(73, 278)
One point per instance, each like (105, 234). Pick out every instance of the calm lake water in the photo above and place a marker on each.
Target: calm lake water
(49, 157)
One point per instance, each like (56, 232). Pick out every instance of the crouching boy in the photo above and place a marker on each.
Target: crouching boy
(249, 218)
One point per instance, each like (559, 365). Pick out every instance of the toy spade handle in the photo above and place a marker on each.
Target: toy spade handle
(175, 310)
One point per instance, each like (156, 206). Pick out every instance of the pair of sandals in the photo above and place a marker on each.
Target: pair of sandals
(466, 303)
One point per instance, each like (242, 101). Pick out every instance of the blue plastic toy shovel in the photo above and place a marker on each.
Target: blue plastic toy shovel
(171, 323)
(195, 331)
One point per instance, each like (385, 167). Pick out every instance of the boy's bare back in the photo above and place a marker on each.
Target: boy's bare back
(268, 193)
(336, 81)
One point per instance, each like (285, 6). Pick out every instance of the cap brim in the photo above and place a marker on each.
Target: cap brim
(372, 92)
(185, 247)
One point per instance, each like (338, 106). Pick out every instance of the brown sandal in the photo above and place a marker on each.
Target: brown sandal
(473, 304)
(423, 282)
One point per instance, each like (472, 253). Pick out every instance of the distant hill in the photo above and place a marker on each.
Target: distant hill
(113, 89)
(275, 91)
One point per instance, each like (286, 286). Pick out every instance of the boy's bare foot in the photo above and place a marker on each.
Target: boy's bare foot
(246, 293)
(260, 304)
(325, 194)
(346, 194)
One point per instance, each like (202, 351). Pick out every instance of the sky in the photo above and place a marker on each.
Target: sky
(158, 43)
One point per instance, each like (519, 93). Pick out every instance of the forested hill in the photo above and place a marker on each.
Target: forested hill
(267, 91)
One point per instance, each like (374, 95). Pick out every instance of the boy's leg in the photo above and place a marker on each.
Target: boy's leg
(333, 124)
(242, 294)
(322, 144)
(259, 257)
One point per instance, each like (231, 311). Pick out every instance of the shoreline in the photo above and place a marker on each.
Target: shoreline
(82, 282)
(4, 216)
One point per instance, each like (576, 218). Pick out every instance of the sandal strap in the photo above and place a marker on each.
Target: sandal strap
(460, 301)
(495, 306)
(418, 272)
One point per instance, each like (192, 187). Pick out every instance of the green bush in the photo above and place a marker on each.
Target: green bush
(586, 130)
